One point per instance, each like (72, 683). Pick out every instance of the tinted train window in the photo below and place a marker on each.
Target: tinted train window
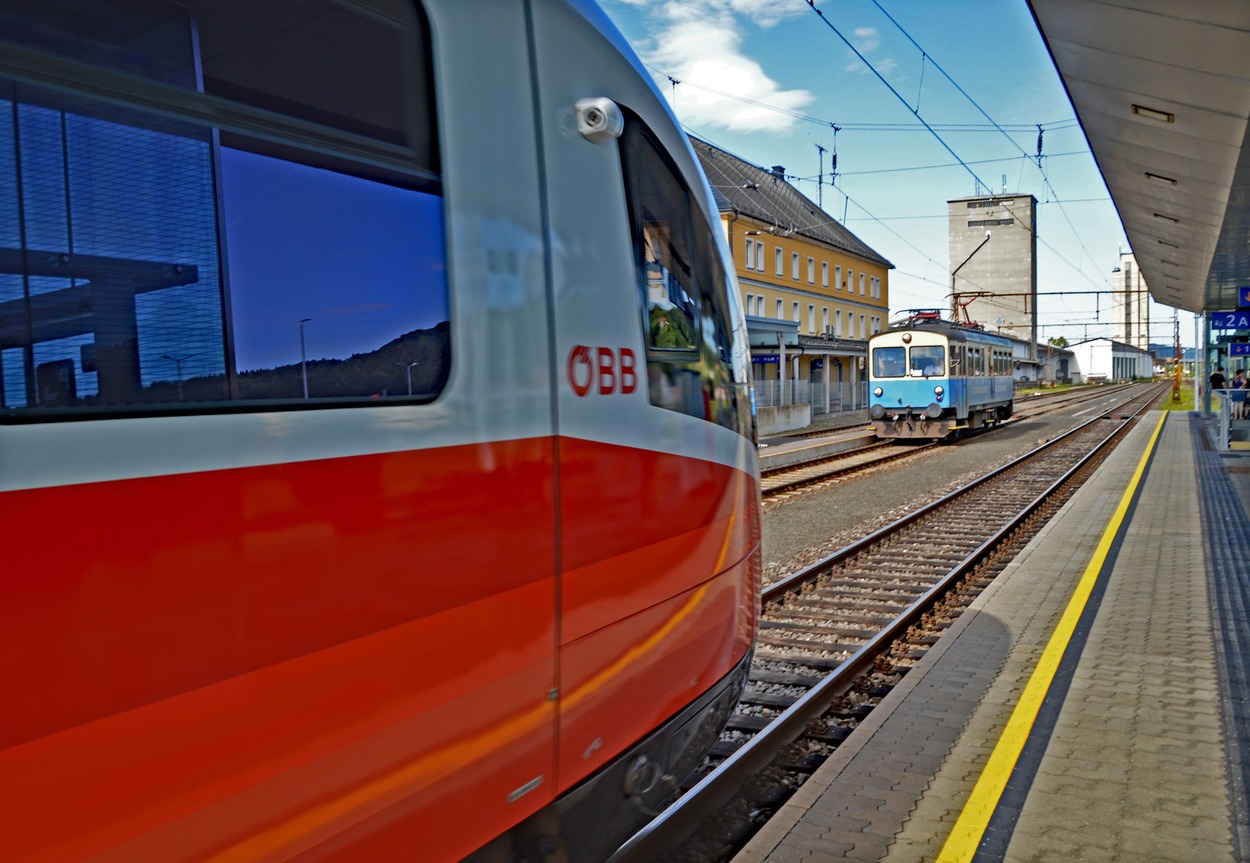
(928, 359)
(694, 332)
(271, 233)
(889, 362)
(667, 253)
(976, 362)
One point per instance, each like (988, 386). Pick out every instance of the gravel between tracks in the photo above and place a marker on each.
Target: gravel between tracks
(812, 525)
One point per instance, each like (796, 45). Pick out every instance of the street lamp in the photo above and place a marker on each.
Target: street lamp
(409, 366)
(303, 357)
(177, 361)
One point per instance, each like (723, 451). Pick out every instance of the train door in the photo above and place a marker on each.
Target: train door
(959, 379)
(656, 464)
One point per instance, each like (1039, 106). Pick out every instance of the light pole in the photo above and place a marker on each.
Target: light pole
(177, 361)
(954, 296)
(408, 367)
(303, 357)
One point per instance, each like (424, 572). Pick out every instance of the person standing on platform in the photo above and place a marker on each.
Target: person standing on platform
(1218, 382)
(1239, 395)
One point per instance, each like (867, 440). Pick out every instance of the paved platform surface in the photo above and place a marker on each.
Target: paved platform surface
(1140, 749)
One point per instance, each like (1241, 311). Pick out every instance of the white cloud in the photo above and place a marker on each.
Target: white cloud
(699, 42)
(866, 39)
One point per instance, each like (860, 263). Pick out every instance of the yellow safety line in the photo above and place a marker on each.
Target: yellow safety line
(966, 835)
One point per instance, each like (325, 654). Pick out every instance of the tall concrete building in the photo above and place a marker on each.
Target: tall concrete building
(993, 261)
(1130, 304)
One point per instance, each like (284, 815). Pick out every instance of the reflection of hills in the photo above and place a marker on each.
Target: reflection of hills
(383, 372)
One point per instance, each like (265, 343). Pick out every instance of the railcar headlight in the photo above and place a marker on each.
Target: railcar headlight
(877, 391)
(937, 391)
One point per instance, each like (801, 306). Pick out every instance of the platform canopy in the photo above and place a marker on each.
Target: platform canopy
(1162, 91)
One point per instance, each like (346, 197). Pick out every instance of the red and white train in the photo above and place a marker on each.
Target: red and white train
(376, 462)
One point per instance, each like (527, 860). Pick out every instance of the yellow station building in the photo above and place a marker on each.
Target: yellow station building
(812, 290)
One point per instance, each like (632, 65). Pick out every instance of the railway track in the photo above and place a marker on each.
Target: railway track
(794, 477)
(837, 635)
(791, 478)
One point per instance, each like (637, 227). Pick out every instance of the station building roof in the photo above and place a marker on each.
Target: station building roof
(765, 196)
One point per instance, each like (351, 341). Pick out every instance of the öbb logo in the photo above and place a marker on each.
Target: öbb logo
(615, 370)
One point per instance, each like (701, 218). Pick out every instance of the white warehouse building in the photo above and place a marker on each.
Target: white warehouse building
(1104, 359)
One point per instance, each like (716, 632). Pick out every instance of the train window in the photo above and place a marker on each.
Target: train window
(667, 255)
(242, 221)
(696, 354)
(957, 359)
(889, 362)
(928, 360)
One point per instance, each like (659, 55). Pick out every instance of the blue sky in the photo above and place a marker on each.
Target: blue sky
(768, 79)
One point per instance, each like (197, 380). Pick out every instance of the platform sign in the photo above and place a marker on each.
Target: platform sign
(1239, 349)
(765, 359)
(1239, 320)
(1243, 296)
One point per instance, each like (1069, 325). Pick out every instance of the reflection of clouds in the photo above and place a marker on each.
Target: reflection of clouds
(700, 43)
(509, 250)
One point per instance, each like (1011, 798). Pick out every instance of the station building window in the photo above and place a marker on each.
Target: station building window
(184, 244)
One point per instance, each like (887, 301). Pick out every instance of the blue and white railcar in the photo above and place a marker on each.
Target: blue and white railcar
(929, 377)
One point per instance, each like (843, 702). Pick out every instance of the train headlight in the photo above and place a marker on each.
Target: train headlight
(937, 391)
(877, 391)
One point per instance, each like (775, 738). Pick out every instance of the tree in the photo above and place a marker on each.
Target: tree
(1057, 341)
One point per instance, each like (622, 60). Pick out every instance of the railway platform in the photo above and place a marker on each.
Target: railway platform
(1092, 704)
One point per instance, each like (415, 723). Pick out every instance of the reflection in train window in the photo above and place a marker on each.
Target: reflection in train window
(889, 362)
(696, 359)
(928, 360)
(326, 274)
(290, 254)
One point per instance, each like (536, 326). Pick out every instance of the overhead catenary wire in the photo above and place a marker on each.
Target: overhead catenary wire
(992, 126)
(1045, 178)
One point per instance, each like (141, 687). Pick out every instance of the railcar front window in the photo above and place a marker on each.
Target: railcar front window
(889, 362)
(272, 233)
(928, 360)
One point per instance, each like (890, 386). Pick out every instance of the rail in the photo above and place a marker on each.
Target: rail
(681, 819)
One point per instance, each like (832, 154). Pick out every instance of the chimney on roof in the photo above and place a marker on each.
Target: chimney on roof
(779, 172)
